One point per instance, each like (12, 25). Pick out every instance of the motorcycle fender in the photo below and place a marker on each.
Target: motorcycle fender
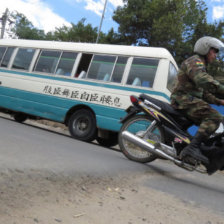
(130, 112)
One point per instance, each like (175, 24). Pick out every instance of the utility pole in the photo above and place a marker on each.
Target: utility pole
(102, 17)
(3, 20)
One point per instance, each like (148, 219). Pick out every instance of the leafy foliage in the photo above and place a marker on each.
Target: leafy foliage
(77, 32)
(24, 29)
(172, 24)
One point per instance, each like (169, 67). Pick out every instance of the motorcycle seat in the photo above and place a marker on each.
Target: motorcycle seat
(168, 109)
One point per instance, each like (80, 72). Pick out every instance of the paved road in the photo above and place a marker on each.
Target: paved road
(24, 146)
(191, 187)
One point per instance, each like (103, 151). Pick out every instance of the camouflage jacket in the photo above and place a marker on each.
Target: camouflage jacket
(194, 84)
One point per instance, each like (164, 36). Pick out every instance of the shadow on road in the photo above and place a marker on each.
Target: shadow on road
(186, 177)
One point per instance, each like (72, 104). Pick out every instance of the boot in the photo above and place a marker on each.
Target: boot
(193, 149)
(216, 161)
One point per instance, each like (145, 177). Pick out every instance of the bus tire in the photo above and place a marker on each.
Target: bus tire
(19, 117)
(82, 125)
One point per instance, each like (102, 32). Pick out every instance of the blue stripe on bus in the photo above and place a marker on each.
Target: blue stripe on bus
(56, 108)
(137, 90)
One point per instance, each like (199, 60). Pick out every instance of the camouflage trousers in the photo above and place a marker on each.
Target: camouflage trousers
(203, 115)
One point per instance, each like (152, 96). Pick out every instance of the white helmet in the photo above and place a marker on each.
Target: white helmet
(203, 45)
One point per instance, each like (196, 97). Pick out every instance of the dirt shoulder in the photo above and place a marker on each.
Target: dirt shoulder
(44, 197)
(38, 196)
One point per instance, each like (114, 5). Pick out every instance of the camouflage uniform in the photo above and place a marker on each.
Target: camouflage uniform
(194, 92)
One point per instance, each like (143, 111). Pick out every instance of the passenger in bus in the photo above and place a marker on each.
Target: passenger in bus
(195, 91)
(60, 71)
(106, 77)
(67, 74)
(145, 83)
(136, 82)
(45, 69)
(82, 75)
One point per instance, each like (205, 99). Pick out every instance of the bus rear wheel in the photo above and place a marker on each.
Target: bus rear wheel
(82, 125)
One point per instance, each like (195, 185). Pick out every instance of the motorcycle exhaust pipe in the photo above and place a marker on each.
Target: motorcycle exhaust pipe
(147, 146)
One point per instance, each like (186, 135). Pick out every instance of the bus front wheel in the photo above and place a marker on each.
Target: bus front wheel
(82, 125)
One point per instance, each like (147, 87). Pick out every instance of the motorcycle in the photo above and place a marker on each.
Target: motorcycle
(153, 129)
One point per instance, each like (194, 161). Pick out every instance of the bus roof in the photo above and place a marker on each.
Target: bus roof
(155, 52)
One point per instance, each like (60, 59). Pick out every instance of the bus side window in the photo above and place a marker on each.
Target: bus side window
(23, 58)
(66, 63)
(172, 75)
(7, 56)
(47, 61)
(2, 53)
(83, 66)
(142, 72)
(101, 67)
(119, 69)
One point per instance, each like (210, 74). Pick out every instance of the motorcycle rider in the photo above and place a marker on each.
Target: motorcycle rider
(195, 90)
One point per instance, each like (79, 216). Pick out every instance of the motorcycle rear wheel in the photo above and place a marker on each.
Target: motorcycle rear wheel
(138, 125)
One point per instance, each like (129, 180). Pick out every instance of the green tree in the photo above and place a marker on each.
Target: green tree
(76, 32)
(24, 29)
(150, 22)
(111, 38)
(173, 24)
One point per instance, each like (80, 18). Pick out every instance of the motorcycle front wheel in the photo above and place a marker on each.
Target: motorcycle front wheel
(143, 127)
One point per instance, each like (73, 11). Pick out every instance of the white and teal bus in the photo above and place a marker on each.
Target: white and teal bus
(84, 86)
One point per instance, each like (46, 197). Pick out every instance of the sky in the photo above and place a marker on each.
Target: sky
(48, 14)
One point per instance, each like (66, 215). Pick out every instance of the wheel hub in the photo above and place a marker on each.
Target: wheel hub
(82, 124)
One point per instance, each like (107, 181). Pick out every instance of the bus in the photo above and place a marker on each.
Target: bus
(82, 85)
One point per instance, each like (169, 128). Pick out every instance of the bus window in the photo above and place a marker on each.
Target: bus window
(119, 69)
(7, 56)
(48, 61)
(66, 63)
(83, 66)
(101, 67)
(23, 58)
(2, 52)
(142, 72)
(171, 77)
